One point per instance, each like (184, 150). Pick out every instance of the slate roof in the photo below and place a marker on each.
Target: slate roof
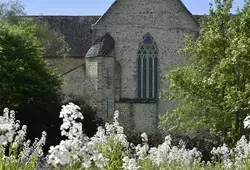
(77, 31)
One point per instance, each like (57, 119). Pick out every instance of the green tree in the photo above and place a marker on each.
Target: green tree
(54, 43)
(212, 88)
(23, 72)
(26, 84)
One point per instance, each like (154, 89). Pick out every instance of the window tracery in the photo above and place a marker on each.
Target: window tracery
(147, 68)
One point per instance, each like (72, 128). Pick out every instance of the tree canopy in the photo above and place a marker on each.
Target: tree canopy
(13, 12)
(24, 76)
(27, 85)
(212, 88)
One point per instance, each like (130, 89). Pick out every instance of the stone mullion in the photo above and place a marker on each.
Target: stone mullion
(141, 76)
(147, 75)
(144, 76)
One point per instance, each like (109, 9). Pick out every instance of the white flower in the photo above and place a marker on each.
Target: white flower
(20, 138)
(166, 153)
(78, 146)
(86, 164)
(142, 151)
(144, 137)
(59, 155)
(7, 126)
(6, 113)
(129, 164)
(122, 139)
(246, 122)
(100, 160)
(116, 115)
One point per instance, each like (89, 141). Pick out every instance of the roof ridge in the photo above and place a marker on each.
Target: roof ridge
(59, 16)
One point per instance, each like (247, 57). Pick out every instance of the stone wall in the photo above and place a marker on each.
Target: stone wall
(135, 117)
(96, 79)
(73, 81)
(168, 21)
(79, 76)
(128, 20)
(108, 86)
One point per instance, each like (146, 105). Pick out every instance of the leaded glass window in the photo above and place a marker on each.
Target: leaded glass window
(147, 68)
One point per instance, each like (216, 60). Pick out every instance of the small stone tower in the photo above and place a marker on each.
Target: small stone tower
(100, 59)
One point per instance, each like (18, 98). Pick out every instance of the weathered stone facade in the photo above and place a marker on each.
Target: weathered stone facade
(111, 81)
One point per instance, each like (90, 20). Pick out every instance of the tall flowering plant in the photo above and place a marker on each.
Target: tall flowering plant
(78, 149)
(16, 151)
(107, 149)
(104, 150)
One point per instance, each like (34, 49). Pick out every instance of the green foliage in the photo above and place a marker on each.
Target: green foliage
(26, 84)
(54, 43)
(10, 10)
(212, 88)
(24, 77)
(146, 164)
(114, 151)
(14, 161)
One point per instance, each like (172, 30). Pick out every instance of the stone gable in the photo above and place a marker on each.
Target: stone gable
(149, 13)
(128, 20)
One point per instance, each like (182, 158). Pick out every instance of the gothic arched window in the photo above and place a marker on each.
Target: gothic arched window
(147, 68)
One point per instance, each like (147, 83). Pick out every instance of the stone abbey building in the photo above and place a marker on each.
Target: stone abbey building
(119, 61)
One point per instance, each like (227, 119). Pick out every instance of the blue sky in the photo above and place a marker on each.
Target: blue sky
(98, 7)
